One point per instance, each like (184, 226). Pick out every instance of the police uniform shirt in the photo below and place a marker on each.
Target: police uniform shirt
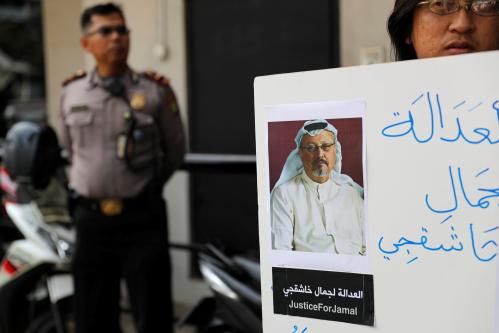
(94, 124)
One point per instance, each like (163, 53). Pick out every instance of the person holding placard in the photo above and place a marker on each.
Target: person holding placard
(425, 29)
(314, 207)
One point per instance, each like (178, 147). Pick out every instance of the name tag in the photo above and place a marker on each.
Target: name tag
(79, 108)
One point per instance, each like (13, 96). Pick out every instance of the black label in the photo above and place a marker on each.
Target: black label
(337, 296)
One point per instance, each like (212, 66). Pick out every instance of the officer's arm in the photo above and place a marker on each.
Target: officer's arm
(281, 220)
(172, 132)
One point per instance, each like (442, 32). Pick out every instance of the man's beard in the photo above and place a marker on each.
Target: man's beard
(321, 172)
(320, 168)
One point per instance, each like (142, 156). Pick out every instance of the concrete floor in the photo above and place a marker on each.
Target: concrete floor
(127, 324)
(180, 310)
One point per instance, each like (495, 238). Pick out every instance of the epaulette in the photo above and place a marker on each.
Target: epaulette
(78, 75)
(156, 77)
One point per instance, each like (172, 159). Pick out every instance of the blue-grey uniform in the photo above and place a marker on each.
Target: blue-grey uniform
(124, 137)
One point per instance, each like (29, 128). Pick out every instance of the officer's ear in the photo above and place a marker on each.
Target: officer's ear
(84, 42)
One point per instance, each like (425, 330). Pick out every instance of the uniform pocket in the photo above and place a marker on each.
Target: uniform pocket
(144, 139)
(80, 118)
(79, 124)
(144, 134)
(143, 119)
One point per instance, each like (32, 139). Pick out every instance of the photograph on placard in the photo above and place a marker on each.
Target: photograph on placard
(316, 181)
(314, 206)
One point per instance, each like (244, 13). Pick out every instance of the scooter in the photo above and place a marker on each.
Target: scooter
(35, 283)
(36, 287)
(235, 306)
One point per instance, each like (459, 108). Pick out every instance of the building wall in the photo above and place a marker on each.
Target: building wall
(62, 51)
(159, 25)
(363, 33)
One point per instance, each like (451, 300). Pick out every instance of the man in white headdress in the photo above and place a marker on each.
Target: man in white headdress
(313, 206)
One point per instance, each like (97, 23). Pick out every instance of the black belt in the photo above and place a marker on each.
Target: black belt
(116, 206)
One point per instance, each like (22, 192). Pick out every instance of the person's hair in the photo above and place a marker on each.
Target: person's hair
(100, 9)
(400, 27)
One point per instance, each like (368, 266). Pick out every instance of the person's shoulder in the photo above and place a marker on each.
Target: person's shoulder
(156, 78)
(166, 91)
(77, 76)
(290, 184)
(350, 190)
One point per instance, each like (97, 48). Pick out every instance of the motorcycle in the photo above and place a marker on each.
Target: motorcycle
(35, 282)
(235, 306)
(234, 279)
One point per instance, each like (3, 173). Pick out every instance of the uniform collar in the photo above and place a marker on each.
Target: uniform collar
(130, 78)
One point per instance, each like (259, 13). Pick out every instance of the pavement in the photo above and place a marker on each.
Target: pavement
(180, 310)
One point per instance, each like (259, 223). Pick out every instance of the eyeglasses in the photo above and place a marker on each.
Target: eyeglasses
(326, 147)
(106, 31)
(478, 7)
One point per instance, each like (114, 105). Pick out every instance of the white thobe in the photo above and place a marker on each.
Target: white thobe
(308, 216)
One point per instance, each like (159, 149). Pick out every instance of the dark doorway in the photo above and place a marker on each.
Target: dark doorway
(230, 42)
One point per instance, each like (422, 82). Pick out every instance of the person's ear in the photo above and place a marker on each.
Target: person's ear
(84, 42)
(408, 40)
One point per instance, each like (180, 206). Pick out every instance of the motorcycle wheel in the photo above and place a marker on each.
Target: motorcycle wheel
(45, 323)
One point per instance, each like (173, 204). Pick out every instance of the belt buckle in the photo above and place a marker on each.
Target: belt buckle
(111, 207)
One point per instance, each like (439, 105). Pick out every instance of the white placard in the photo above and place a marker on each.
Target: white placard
(433, 202)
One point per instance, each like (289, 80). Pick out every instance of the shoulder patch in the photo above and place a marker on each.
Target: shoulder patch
(156, 77)
(78, 75)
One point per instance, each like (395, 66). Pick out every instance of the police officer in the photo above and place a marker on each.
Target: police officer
(124, 136)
